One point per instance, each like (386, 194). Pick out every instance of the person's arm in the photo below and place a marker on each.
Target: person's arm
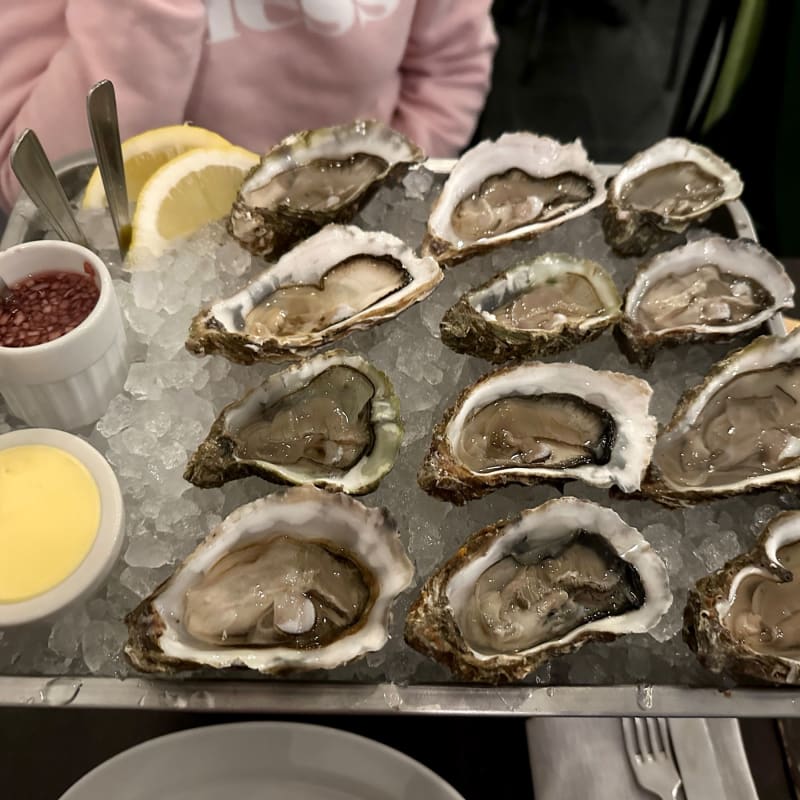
(53, 51)
(446, 73)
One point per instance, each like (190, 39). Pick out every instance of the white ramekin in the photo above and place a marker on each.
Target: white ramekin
(105, 549)
(69, 382)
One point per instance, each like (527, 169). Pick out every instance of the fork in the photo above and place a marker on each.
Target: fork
(649, 748)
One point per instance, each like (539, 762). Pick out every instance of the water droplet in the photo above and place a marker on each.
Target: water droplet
(60, 691)
(644, 696)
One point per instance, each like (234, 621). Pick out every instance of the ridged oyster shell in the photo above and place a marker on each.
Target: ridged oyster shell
(589, 425)
(695, 293)
(315, 177)
(640, 216)
(447, 621)
(735, 433)
(332, 421)
(552, 286)
(567, 185)
(336, 265)
(224, 614)
(755, 637)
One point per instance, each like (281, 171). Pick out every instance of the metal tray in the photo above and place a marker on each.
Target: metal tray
(297, 697)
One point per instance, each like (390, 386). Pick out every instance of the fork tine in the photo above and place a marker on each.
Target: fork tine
(657, 748)
(666, 737)
(629, 735)
(641, 736)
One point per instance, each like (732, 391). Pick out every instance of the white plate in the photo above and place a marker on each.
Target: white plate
(261, 761)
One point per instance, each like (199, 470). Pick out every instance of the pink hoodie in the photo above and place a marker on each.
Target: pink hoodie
(252, 70)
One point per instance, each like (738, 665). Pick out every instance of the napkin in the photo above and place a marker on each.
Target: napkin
(575, 759)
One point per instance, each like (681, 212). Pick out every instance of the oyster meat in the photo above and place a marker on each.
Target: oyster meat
(542, 584)
(315, 177)
(302, 579)
(741, 619)
(712, 289)
(340, 280)
(332, 421)
(514, 188)
(541, 423)
(737, 432)
(664, 189)
(538, 307)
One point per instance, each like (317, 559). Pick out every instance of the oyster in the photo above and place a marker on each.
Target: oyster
(712, 289)
(340, 280)
(302, 579)
(741, 619)
(540, 423)
(539, 307)
(315, 177)
(542, 584)
(664, 189)
(735, 433)
(514, 188)
(332, 421)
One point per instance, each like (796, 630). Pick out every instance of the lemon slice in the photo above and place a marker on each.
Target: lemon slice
(185, 194)
(145, 153)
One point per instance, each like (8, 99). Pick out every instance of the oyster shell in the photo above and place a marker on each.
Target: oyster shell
(315, 177)
(712, 289)
(302, 579)
(741, 619)
(340, 280)
(538, 307)
(332, 421)
(664, 189)
(524, 590)
(541, 423)
(737, 432)
(514, 188)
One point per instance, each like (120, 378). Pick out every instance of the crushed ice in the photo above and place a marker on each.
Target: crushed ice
(171, 398)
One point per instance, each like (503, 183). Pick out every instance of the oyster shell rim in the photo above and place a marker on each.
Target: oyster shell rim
(442, 475)
(431, 626)
(147, 623)
(711, 597)
(208, 334)
(273, 231)
(465, 328)
(641, 343)
(557, 156)
(385, 420)
(656, 487)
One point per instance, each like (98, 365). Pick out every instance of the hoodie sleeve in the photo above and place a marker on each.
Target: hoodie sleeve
(446, 73)
(53, 51)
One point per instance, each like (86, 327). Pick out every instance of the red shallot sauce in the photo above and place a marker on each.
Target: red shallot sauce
(45, 306)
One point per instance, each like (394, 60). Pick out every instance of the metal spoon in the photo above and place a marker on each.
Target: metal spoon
(35, 173)
(101, 109)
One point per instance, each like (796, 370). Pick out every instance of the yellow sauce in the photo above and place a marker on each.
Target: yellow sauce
(49, 515)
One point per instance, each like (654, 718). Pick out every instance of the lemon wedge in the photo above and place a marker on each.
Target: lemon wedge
(145, 153)
(188, 192)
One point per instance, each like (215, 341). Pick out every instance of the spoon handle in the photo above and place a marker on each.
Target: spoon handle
(101, 109)
(35, 173)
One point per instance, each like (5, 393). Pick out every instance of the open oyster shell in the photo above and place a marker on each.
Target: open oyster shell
(340, 280)
(524, 590)
(742, 619)
(664, 189)
(332, 421)
(303, 579)
(735, 433)
(536, 308)
(315, 177)
(541, 423)
(514, 188)
(709, 290)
